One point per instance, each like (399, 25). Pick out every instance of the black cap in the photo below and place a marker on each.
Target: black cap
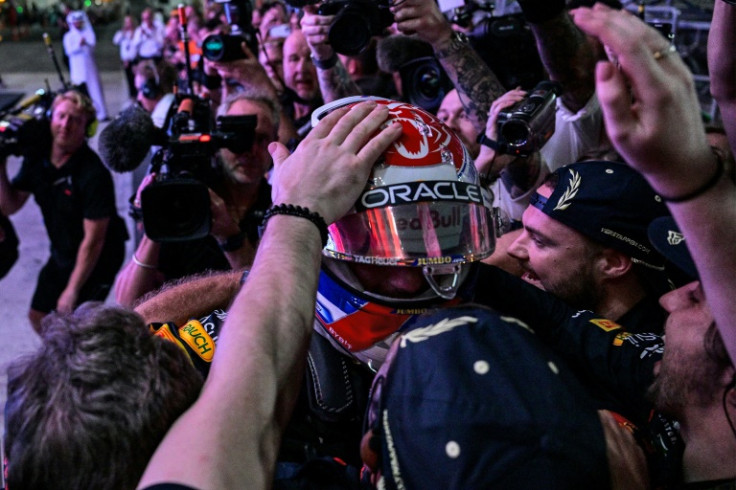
(472, 399)
(608, 202)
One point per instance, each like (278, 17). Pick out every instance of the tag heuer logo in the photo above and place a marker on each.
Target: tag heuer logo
(674, 237)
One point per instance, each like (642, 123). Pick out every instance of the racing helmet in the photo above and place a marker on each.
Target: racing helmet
(422, 207)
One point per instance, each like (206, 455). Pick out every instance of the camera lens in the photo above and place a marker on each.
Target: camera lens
(515, 132)
(176, 210)
(213, 47)
(350, 32)
(428, 82)
(221, 47)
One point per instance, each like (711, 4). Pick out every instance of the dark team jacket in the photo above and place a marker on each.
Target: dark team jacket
(328, 420)
(614, 364)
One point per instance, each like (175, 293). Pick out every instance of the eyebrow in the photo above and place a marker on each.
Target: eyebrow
(534, 231)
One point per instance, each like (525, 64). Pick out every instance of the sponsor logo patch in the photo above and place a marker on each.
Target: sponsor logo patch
(674, 238)
(604, 324)
(414, 192)
(195, 335)
(165, 333)
(618, 341)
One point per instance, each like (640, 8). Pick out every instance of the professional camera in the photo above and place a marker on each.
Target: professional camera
(25, 127)
(227, 47)
(527, 125)
(355, 23)
(424, 82)
(176, 206)
(508, 47)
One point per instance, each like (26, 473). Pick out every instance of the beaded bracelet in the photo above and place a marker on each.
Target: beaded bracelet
(301, 212)
(720, 169)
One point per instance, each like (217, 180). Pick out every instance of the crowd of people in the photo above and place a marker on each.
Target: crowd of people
(390, 295)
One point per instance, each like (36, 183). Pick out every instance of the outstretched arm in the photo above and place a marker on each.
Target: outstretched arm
(192, 297)
(722, 64)
(661, 135)
(564, 50)
(334, 79)
(476, 84)
(254, 381)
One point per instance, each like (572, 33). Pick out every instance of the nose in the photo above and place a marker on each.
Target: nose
(677, 299)
(64, 121)
(451, 122)
(301, 64)
(518, 248)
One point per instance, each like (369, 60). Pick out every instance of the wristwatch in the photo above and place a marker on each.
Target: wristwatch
(325, 64)
(458, 41)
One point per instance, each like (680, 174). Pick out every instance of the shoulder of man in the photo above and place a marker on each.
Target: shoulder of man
(198, 338)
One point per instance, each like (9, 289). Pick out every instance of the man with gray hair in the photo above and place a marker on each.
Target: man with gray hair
(239, 196)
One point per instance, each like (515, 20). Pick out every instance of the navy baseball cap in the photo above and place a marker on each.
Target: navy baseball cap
(608, 202)
(666, 237)
(472, 399)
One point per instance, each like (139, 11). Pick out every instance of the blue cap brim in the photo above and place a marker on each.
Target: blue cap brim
(666, 237)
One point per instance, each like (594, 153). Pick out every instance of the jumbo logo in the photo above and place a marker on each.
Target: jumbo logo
(194, 334)
(424, 140)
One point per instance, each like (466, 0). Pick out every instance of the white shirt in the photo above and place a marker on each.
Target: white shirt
(149, 41)
(124, 39)
(576, 134)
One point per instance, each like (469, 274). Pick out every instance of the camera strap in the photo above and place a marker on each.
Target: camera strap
(492, 144)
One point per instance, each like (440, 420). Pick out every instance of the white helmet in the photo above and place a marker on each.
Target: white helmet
(423, 205)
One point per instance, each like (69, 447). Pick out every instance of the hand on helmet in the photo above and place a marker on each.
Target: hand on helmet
(330, 167)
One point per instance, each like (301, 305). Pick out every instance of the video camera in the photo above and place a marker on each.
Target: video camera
(22, 126)
(227, 47)
(527, 125)
(176, 206)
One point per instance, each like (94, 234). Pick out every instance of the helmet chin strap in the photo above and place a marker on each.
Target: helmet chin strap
(445, 280)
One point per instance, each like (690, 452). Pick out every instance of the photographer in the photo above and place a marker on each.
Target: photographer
(334, 80)
(476, 84)
(245, 73)
(300, 77)
(154, 84)
(76, 196)
(238, 200)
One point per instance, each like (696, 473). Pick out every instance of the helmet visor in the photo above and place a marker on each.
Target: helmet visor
(414, 234)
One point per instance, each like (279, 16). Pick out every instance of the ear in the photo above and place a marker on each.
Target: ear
(729, 379)
(730, 386)
(352, 65)
(613, 264)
